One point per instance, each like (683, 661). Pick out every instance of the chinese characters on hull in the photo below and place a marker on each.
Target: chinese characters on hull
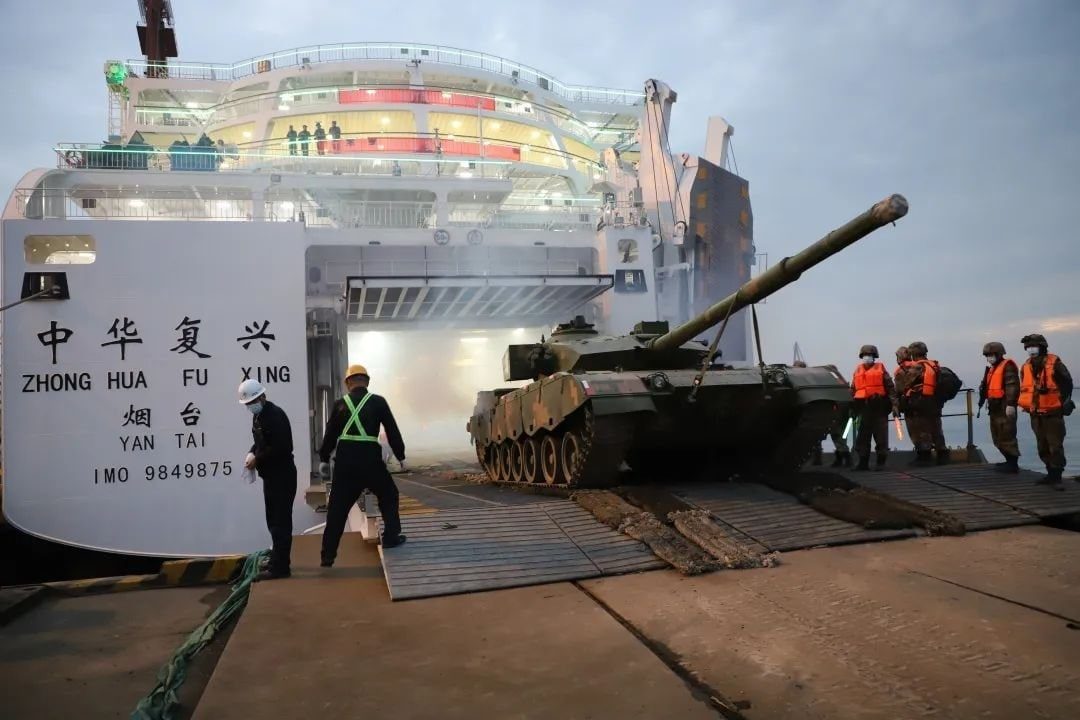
(123, 335)
(257, 332)
(189, 338)
(54, 336)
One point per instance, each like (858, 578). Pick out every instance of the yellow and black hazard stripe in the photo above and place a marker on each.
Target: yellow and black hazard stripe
(174, 573)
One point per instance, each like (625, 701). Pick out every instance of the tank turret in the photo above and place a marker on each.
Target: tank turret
(649, 399)
(576, 346)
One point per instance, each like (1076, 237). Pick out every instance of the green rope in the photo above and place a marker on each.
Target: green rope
(162, 702)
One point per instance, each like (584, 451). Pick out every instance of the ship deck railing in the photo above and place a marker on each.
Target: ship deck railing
(295, 205)
(349, 98)
(396, 154)
(306, 57)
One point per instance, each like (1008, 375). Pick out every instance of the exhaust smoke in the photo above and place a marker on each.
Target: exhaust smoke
(431, 377)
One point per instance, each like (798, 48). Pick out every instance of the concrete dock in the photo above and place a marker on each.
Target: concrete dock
(986, 625)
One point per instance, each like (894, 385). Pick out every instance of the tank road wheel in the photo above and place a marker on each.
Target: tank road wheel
(516, 460)
(530, 460)
(504, 460)
(550, 467)
(570, 455)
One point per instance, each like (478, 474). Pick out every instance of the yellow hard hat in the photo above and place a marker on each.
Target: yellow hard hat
(355, 370)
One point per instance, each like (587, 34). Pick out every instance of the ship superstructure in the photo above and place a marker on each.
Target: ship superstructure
(274, 205)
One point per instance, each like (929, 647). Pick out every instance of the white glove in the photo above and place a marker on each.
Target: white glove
(249, 461)
(1010, 411)
(402, 465)
(324, 470)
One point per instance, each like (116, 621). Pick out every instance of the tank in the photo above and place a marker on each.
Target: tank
(657, 399)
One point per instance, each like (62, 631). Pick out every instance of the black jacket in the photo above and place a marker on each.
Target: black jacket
(375, 413)
(272, 433)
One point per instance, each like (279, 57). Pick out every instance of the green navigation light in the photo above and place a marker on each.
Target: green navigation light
(115, 73)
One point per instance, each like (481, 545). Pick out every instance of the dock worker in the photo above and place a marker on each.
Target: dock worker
(923, 410)
(271, 456)
(874, 396)
(353, 429)
(1046, 394)
(304, 137)
(841, 453)
(1000, 387)
(290, 140)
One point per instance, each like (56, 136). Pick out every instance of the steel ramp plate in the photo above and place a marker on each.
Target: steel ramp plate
(472, 550)
(1017, 491)
(777, 520)
(977, 513)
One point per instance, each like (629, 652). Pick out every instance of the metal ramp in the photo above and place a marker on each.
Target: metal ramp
(490, 548)
(777, 520)
(1016, 491)
(976, 512)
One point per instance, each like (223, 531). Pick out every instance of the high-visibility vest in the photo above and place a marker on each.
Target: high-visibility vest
(359, 434)
(1043, 397)
(869, 381)
(995, 380)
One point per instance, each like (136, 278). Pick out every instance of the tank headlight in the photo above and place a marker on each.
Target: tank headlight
(658, 382)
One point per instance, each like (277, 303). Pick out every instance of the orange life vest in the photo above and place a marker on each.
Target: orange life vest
(869, 381)
(995, 380)
(929, 378)
(1045, 396)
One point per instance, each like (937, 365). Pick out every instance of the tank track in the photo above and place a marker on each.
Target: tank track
(795, 450)
(596, 456)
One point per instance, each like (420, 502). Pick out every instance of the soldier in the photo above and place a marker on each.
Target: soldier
(874, 396)
(841, 454)
(1000, 387)
(903, 361)
(1046, 394)
(919, 383)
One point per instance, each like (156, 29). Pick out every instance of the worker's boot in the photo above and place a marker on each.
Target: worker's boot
(864, 462)
(944, 457)
(1009, 466)
(880, 464)
(837, 459)
(847, 459)
(388, 543)
(1052, 478)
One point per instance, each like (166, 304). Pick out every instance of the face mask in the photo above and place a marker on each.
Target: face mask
(868, 359)
(255, 408)
(991, 360)
(1032, 351)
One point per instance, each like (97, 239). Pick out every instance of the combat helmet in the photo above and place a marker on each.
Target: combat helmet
(799, 364)
(1034, 340)
(903, 354)
(993, 348)
(869, 350)
(918, 349)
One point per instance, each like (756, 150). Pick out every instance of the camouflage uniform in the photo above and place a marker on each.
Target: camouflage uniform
(1049, 427)
(903, 359)
(923, 411)
(873, 415)
(1002, 421)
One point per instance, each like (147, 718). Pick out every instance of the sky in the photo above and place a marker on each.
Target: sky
(970, 110)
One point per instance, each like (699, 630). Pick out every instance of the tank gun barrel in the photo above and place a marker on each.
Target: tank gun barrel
(786, 271)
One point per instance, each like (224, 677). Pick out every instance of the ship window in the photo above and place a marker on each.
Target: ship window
(59, 249)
